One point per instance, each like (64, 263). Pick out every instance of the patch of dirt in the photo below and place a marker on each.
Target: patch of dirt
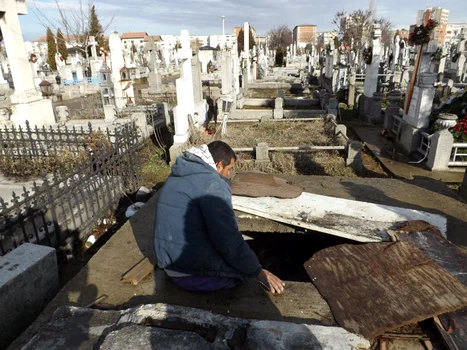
(371, 167)
(327, 163)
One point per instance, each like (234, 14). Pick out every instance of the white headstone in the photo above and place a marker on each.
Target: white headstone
(28, 103)
(372, 70)
(117, 63)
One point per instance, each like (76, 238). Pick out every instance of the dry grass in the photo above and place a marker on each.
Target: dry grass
(154, 168)
(275, 134)
(281, 134)
(329, 163)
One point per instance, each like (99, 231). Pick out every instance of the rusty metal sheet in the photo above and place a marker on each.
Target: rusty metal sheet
(453, 325)
(374, 288)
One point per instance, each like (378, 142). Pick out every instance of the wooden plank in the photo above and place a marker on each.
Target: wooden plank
(358, 221)
(138, 272)
(374, 288)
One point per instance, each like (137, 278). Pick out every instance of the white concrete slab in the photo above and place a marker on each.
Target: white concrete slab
(358, 221)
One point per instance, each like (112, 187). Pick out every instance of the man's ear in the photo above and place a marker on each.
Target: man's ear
(220, 165)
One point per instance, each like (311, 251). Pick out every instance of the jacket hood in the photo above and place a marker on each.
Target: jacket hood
(190, 164)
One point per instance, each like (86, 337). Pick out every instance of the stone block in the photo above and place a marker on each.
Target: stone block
(28, 281)
(110, 114)
(340, 128)
(37, 113)
(62, 114)
(440, 150)
(362, 102)
(279, 103)
(265, 335)
(262, 152)
(174, 151)
(354, 156)
(278, 113)
(374, 112)
(409, 137)
(142, 124)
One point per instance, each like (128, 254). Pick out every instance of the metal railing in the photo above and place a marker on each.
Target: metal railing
(36, 142)
(455, 155)
(63, 207)
(93, 80)
(424, 146)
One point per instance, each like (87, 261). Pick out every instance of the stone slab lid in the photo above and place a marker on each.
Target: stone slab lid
(253, 184)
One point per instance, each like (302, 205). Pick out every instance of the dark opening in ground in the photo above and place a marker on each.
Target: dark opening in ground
(284, 254)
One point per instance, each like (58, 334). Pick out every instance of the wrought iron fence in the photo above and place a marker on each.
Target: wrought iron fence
(63, 207)
(35, 142)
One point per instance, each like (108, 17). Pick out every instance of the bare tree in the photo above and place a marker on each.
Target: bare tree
(74, 20)
(280, 36)
(355, 28)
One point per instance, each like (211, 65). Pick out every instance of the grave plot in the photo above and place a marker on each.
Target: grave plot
(286, 142)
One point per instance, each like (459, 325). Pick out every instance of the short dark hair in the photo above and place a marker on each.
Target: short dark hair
(221, 152)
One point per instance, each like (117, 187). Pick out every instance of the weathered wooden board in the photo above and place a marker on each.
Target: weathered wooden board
(358, 221)
(374, 288)
(454, 260)
(138, 272)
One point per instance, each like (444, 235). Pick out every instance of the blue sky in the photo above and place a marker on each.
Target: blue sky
(204, 17)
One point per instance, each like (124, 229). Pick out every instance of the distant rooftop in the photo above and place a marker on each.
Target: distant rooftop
(133, 35)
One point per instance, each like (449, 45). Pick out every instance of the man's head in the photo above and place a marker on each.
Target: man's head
(223, 156)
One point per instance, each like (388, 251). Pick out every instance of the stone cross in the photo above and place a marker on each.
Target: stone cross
(93, 44)
(16, 51)
(152, 49)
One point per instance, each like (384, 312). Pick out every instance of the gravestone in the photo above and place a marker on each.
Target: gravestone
(371, 74)
(154, 78)
(123, 89)
(226, 73)
(396, 51)
(27, 102)
(393, 109)
(189, 95)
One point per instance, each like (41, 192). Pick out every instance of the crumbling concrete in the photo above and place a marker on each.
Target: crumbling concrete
(163, 326)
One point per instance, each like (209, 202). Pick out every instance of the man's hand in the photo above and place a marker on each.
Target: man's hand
(270, 281)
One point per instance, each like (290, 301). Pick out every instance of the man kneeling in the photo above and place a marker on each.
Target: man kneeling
(196, 237)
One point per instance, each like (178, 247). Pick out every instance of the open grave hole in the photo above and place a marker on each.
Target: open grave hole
(284, 253)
